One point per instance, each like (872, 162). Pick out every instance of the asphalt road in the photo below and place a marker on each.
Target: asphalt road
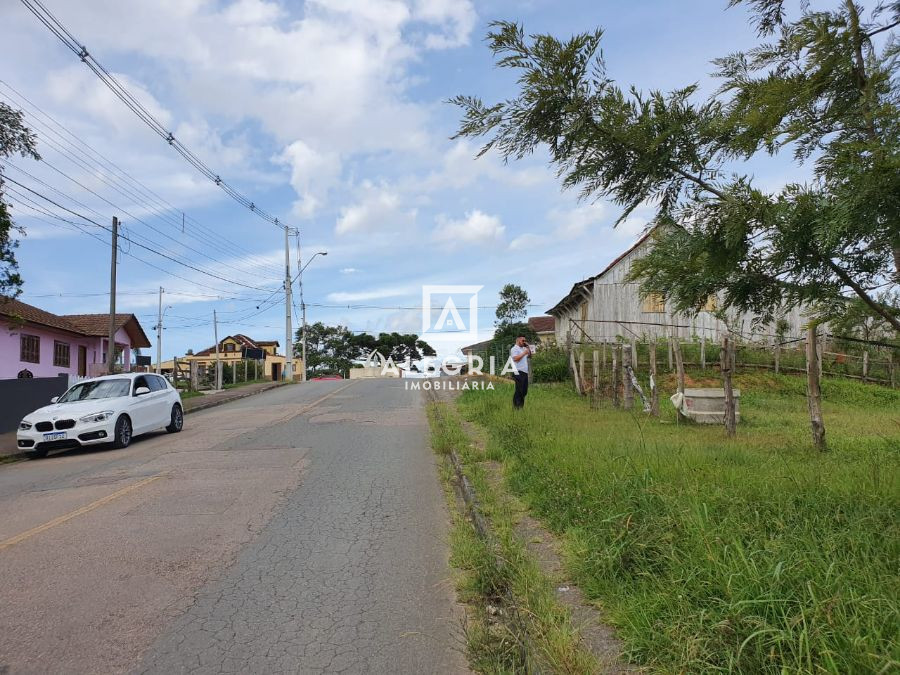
(302, 530)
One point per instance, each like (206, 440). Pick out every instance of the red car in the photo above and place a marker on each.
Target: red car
(325, 377)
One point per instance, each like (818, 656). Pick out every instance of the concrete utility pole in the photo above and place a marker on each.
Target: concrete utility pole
(159, 335)
(111, 344)
(218, 364)
(288, 324)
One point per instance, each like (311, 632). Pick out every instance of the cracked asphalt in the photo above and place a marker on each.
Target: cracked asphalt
(302, 530)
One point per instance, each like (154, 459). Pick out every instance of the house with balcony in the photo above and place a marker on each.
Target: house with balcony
(237, 348)
(37, 343)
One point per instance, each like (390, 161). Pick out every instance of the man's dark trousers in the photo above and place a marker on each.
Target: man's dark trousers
(521, 390)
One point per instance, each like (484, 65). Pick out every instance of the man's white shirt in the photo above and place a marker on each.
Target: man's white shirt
(522, 364)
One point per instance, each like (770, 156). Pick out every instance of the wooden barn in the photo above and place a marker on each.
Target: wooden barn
(604, 307)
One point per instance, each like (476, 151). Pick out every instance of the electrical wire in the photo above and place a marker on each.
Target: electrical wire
(62, 33)
(136, 243)
(101, 168)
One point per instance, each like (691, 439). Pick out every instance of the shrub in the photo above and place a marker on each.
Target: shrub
(550, 365)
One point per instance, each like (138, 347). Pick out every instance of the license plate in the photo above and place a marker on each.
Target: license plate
(55, 436)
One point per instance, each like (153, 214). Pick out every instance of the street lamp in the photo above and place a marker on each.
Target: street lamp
(303, 308)
(159, 330)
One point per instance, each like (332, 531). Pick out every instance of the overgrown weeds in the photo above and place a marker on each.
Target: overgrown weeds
(756, 554)
(515, 624)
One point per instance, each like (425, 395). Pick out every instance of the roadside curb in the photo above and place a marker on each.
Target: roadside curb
(213, 404)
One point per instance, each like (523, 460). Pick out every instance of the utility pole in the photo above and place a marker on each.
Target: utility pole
(218, 364)
(159, 335)
(111, 344)
(302, 310)
(288, 325)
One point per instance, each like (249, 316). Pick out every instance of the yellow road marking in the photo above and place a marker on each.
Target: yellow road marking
(77, 512)
(125, 490)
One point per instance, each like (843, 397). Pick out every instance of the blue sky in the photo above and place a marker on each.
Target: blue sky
(332, 116)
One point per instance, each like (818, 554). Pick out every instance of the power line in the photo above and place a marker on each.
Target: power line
(59, 30)
(122, 210)
(108, 229)
(107, 171)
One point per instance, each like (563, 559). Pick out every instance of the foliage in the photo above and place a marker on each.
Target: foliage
(513, 305)
(856, 321)
(550, 365)
(751, 555)
(15, 138)
(333, 349)
(822, 88)
(505, 336)
(397, 346)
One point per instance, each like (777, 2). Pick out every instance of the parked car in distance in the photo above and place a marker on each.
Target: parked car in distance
(109, 409)
(325, 377)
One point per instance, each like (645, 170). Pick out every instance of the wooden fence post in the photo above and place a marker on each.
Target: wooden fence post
(675, 345)
(595, 390)
(891, 369)
(727, 365)
(654, 388)
(634, 353)
(574, 366)
(615, 377)
(777, 354)
(669, 342)
(703, 352)
(865, 373)
(581, 371)
(813, 389)
(627, 389)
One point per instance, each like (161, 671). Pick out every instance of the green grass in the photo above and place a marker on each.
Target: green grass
(751, 555)
(531, 633)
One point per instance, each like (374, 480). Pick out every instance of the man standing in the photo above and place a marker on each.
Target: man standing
(520, 354)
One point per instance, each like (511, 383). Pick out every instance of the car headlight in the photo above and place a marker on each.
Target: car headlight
(25, 426)
(97, 417)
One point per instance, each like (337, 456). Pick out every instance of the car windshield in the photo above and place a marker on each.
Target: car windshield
(87, 391)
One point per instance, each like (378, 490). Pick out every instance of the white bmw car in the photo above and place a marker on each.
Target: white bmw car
(110, 409)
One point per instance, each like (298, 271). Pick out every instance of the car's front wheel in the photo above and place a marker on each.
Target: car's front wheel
(177, 421)
(123, 432)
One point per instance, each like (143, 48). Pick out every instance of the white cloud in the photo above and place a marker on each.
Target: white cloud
(456, 18)
(252, 12)
(528, 242)
(573, 223)
(372, 294)
(380, 209)
(313, 173)
(476, 228)
(349, 270)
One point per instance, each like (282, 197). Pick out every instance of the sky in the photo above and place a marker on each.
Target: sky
(333, 116)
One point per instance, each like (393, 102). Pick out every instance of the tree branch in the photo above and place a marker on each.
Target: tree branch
(883, 28)
(865, 297)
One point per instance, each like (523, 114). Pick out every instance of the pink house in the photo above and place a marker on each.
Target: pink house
(35, 343)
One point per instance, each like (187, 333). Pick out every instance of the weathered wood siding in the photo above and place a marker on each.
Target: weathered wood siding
(614, 300)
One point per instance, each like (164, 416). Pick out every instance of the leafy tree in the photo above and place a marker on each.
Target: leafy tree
(333, 349)
(15, 138)
(824, 87)
(397, 346)
(513, 305)
(510, 313)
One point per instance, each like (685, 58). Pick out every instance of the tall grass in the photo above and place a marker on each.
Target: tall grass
(752, 555)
